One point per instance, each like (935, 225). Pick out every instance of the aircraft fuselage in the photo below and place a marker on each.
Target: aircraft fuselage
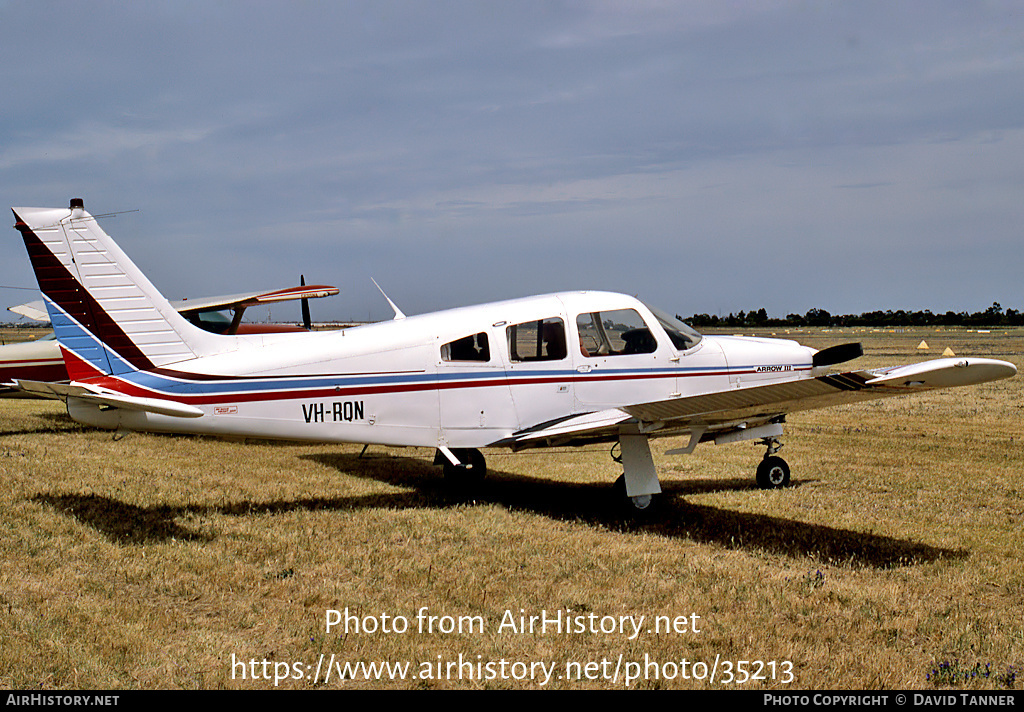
(462, 378)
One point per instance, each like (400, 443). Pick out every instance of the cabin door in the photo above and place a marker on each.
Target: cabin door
(474, 400)
(619, 361)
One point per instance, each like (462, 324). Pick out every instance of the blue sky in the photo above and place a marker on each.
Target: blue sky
(705, 156)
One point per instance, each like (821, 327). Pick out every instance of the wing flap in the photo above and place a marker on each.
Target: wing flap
(590, 424)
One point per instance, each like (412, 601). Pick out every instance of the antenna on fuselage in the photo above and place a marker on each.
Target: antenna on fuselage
(398, 312)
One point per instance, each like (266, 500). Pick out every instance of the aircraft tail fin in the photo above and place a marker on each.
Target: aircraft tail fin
(107, 316)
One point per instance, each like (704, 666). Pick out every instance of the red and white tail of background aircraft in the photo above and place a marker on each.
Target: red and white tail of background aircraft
(555, 369)
(41, 360)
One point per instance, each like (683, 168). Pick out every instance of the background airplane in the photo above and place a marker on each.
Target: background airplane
(41, 360)
(554, 369)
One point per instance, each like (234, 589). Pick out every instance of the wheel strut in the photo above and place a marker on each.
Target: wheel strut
(773, 445)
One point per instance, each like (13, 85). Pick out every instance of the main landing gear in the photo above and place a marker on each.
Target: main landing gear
(462, 467)
(638, 485)
(773, 472)
(641, 503)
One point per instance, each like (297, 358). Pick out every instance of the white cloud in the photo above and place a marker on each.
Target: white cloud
(95, 142)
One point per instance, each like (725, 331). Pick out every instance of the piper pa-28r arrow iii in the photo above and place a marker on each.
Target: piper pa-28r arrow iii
(555, 369)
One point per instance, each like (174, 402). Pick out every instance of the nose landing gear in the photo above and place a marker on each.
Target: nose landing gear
(773, 472)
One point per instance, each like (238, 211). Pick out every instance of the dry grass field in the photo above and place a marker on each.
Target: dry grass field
(894, 560)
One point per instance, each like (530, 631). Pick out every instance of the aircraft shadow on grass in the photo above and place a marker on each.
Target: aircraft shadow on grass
(47, 424)
(582, 503)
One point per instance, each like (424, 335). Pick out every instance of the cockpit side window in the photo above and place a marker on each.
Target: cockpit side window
(469, 348)
(618, 332)
(541, 340)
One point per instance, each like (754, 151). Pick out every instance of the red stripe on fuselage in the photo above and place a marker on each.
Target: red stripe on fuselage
(117, 384)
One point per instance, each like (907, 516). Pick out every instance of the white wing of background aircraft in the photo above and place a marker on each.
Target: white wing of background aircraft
(553, 369)
(33, 310)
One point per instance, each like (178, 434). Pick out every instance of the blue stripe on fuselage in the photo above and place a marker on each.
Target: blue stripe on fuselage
(79, 340)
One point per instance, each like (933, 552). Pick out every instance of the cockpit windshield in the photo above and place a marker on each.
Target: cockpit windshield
(683, 336)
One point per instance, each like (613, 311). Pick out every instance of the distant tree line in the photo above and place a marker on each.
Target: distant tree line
(993, 316)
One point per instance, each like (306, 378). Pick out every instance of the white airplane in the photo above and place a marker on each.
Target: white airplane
(566, 368)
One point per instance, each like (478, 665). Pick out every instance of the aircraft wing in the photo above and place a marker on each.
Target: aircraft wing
(37, 310)
(33, 310)
(740, 408)
(250, 299)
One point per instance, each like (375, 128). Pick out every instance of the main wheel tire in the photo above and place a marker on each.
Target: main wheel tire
(470, 472)
(642, 504)
(772, 473)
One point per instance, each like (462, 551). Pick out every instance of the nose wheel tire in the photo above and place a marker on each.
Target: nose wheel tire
(772, 473)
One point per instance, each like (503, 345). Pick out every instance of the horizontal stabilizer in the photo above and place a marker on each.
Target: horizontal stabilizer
(64, 391)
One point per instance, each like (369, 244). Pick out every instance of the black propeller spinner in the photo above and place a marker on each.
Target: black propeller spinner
(837, 354)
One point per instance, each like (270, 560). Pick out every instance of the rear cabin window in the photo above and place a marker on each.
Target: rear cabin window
(614, 333)
(541, 340)
(468, 348)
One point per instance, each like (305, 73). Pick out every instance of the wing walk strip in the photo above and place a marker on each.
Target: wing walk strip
(764, 400)
(845, 381)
